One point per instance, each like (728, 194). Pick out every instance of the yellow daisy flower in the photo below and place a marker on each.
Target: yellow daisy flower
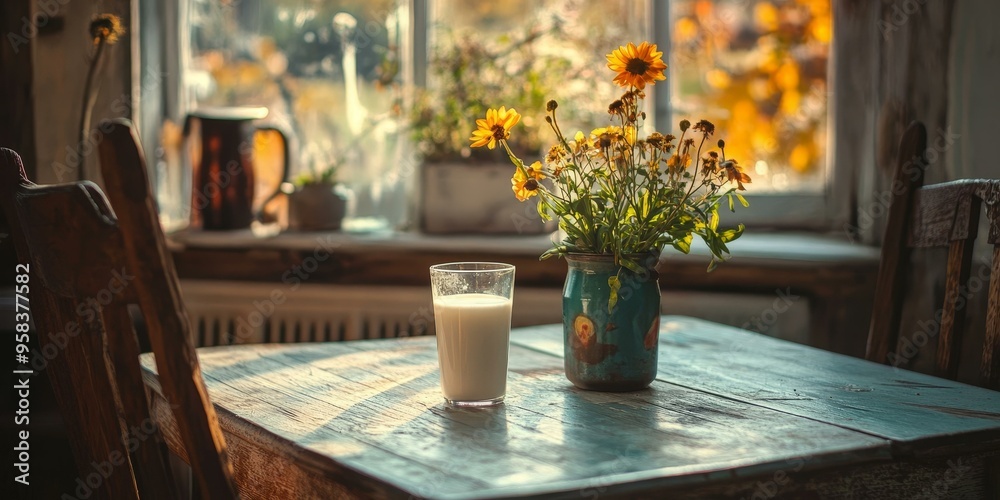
(495, 127)
(535, 171)
(523, 185)
(637, 66)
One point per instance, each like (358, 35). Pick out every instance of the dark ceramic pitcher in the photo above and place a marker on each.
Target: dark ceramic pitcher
(224, 174)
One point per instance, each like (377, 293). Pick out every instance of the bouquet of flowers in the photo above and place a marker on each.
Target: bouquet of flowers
(616, 193)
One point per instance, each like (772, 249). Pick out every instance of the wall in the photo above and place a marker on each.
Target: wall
(61, 59)
(973, 83)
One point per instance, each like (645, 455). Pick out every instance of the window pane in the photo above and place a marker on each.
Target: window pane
(521, 53)
(758, 69)
(328, 71)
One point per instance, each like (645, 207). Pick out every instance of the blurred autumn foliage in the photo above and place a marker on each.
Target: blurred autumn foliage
(758, 69)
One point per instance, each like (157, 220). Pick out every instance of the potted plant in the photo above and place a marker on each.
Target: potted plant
(460, 186)
(317, 202)
(621, 199)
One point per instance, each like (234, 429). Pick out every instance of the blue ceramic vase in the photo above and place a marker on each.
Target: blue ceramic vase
(612, 350)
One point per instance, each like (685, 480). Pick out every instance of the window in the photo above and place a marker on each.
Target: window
(338, 74)
(330, 75)
(758, 70)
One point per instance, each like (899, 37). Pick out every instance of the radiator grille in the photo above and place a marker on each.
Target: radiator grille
(224, 313)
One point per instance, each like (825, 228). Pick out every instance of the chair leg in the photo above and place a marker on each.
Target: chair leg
(953, 317)
(990, 370)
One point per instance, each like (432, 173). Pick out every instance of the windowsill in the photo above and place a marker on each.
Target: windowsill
(769, 249)
(836, 276)
(819, 265)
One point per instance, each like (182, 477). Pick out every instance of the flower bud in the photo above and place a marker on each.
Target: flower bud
(685, 125)
(551, 105)
(548, 119)
(722, 144)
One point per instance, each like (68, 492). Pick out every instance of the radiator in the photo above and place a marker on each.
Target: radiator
(227, 312)
(224, 312)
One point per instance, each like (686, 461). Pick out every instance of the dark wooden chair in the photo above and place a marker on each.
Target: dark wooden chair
(937, 216)
(89, 267)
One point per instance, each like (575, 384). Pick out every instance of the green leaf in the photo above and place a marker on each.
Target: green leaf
(683, 244)
(743, 201)
(542, 212)
(731, 234)
(615, 285)
(712, 265)
(554, 252)
(632, 265)
(713, 222)
(732, 208)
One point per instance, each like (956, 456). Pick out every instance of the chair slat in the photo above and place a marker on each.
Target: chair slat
(884, 331)
(990, 368)
(150, 453)
(954, 312)
(124, 169)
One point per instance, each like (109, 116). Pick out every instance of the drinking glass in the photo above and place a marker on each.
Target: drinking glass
(472, 306)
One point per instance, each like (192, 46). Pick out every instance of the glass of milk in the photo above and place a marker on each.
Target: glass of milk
(472, 304)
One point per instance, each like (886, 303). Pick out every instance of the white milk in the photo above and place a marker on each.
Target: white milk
(473, 331)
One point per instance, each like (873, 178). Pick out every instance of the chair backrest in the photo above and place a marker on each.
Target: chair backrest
(88, 265)
(937, 216)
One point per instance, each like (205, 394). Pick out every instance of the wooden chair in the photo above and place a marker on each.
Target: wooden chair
(88, 264)
(940, 215)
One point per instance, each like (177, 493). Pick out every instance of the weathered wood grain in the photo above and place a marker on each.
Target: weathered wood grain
(371, 415)
(884, 330)
(151, 459)
(919, 413)
(990, 367)
(157, 292)
(953, 315)
(87, 267)
(946, 212)
(75, 364)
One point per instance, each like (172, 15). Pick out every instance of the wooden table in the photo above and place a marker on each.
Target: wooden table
(732, 414)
